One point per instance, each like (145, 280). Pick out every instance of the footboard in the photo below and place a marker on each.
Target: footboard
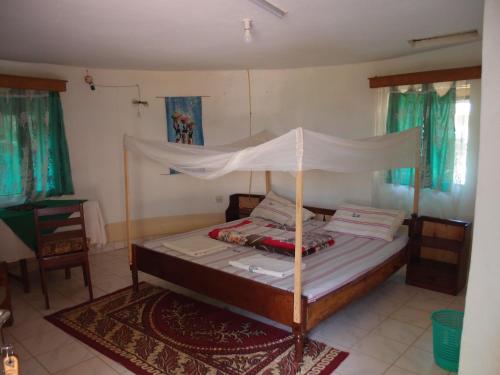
(265, 300)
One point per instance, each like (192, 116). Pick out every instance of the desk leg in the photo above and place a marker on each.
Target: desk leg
(23, 265)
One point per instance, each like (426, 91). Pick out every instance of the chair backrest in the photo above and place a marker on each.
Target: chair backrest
(60, 230)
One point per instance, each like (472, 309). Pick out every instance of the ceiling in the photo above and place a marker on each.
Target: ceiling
(202, 34)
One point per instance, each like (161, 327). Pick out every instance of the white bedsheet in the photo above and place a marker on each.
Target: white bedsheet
(325, 271)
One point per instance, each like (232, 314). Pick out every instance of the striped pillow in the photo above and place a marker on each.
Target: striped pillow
(279, 210)
(364, 221)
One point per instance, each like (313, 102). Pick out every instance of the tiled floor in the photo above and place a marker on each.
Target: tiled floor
(386, 332)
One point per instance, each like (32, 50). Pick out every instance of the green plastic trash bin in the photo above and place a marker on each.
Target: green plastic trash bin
(447, 334)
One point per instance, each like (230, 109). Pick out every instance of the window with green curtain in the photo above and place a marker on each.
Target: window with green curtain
(435, 114)
(34, 160)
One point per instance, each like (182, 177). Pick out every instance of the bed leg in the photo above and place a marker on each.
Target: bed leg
(135, 278)
(298, 339)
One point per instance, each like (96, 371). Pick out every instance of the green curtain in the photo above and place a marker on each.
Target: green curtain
(34, 160)
(436, 116)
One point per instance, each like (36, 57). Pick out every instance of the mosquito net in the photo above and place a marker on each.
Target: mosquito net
(298, 149)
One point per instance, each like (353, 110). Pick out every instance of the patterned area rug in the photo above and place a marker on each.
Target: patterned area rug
(156, 331)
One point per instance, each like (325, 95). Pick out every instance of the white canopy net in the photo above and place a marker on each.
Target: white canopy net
(298, 149)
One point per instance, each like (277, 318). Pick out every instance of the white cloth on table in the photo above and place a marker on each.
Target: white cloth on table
(94, 223)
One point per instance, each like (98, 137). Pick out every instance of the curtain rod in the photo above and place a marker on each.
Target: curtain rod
(32, 83)
(182, 96)
(431, 76)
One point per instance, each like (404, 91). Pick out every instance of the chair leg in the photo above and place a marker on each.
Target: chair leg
(23, 265)
(43, 279)
(67, 273)
(87, 278)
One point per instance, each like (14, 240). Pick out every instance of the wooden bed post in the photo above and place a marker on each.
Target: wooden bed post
(268, 181)
(297, 286)
(416, 191)
(131, 258)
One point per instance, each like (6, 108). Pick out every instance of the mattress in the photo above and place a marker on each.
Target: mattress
(328, 270)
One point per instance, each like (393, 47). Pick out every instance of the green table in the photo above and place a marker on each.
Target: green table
(22, 223)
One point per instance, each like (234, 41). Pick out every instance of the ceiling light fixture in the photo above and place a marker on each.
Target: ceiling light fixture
(444, 40)
(270, 7)
(247, 27)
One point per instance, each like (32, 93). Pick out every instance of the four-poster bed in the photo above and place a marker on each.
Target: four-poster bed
(296, 151)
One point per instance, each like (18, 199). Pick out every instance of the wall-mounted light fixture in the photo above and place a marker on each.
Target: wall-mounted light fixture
(445, 40)
(270, 7)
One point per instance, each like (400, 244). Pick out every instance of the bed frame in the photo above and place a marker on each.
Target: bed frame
(270, 302)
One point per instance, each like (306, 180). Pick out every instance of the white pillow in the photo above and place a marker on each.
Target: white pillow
(366, 221)
(279, 209)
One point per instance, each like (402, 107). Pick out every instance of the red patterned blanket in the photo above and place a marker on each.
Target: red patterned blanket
(270, 237)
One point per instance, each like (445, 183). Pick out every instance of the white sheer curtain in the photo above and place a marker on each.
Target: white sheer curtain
(457, 204)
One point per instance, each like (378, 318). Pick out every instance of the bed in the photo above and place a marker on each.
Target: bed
(332, 279)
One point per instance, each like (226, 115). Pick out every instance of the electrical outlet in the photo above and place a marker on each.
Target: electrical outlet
(218, 198)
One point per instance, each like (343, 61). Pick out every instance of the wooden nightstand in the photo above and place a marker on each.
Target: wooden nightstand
(439, 254)
(241, 205)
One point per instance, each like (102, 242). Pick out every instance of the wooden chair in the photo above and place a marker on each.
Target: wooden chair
(65, 248)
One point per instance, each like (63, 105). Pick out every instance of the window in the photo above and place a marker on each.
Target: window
(442, 111)
(462, 111)
(34, 160)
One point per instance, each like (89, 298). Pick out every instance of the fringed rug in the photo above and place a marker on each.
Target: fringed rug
(156, 331)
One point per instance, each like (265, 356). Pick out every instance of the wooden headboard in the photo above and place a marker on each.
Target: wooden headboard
(240, 205)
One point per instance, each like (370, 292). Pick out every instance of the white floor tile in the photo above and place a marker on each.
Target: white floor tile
(361, 364)
(428, 302)
(361, 318)
(46, 341)
(24, 312)
(399, 331)
(338, 334)
(64, 357)
(420, 362)
(111, 283)
(412, 316)
(383, 304)
(32, 367)
(382, 348)
(424, 342)
(399, 371)
(113, 364)
(30, 328)
(94, 366)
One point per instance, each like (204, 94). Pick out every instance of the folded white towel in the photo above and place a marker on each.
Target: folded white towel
(265, 265)
(196, 246)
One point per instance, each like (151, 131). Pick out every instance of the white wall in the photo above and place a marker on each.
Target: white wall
(481, 335)
(333, 100)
